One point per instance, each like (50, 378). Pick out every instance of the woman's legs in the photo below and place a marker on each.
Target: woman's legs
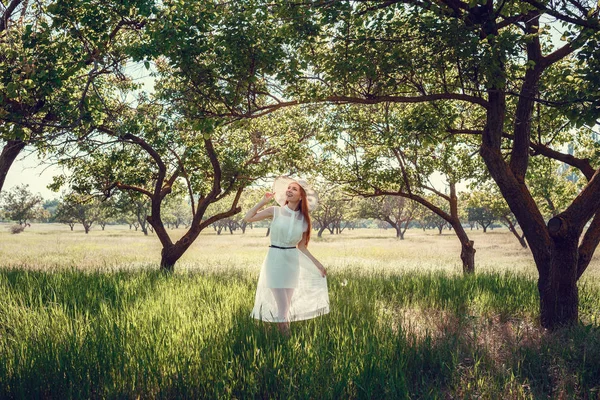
(283, 298)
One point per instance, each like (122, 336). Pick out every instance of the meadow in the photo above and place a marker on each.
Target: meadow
(90, 316)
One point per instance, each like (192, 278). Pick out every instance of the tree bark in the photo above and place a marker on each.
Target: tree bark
(557, 285)
(11, 150)
(320, 234)
(169, 256)
(467, 255)
(467, 252)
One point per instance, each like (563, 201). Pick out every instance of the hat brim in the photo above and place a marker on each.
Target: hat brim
(281, 184)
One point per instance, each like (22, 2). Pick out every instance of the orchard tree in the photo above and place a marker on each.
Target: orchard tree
(397, 211)
(498, 57)
(148, 150)
(480, 210)
(500, 209)
(133, 209)
(50, 207)
(55, 56)
(83, 209)
(333, 204)
(20, 205)
(177, 212)
(107, 212)
(391, 150)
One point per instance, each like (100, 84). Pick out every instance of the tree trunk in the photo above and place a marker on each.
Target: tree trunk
(320, 234)
(559, 297)
(86, 227)
(170, 253)
(467, 255)
(467, 252)
(268, 231)
(169, 256)
(11, 150)
(399, 233)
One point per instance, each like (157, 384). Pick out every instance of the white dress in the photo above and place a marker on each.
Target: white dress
(289, 269)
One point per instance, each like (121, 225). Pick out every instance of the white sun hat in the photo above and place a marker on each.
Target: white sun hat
(281, 184)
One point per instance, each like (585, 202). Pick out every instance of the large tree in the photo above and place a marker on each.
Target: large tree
(149, 150)
(497, 56)
(394, 150)
(55, 56)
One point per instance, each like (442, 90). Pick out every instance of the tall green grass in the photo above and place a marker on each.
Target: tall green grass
(130, 334)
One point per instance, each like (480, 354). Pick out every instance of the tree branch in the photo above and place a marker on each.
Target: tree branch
(7, 14)
(588, 245)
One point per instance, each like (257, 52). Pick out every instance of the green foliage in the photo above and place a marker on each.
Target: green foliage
(53, 56)
(80, 208)
(20, 205)
(553, 185)
(483, 208)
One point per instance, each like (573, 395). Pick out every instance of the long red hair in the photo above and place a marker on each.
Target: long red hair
(304, 210)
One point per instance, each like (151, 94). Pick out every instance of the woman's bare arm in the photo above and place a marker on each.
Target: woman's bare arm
(302, 247)
(253, 216)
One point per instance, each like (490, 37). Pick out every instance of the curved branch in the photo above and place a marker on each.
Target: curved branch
(576, 21)
(7, 14)
(588, 245)
(123, 186)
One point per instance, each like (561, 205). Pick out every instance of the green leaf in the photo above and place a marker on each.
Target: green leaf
(12, 90)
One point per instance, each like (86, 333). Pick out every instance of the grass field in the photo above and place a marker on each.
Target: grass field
(89, 316)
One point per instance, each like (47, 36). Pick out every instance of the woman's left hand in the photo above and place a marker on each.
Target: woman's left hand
(322, 269)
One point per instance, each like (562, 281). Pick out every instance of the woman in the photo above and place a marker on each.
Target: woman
(292, 285)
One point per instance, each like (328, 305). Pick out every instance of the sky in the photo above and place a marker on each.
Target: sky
(30, 170)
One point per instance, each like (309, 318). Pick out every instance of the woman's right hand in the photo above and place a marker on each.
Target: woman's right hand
(268, 197)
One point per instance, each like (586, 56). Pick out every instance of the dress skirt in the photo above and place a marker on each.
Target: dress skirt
(290, 269)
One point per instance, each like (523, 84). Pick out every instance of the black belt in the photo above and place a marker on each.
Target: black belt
(277, 247)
